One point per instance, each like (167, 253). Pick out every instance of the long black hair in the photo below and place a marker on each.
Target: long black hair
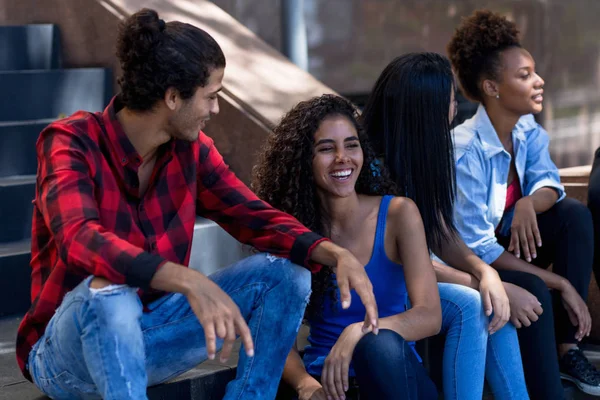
(406, 119)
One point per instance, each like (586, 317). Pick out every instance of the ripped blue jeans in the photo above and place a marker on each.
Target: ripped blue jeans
(100, 343)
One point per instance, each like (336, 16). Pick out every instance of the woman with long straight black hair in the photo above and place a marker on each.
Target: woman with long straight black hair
(407, 118)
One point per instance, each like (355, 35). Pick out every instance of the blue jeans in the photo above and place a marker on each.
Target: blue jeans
(470, 354)
(387, 368)
(100, 343)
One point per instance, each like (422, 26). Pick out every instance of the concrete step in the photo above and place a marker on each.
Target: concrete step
(16, 208)
(41, 94)
(17, 146)
(16, 278)
(35, 46)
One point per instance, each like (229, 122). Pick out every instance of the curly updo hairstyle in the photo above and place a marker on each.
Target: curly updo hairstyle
(476, 47)
(283, 175)
(155, 56)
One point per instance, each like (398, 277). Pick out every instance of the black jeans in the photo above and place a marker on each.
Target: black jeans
(567, 244)
(387, 368)
(594, 206)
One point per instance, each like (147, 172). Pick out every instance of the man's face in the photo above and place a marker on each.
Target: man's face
(191, 117)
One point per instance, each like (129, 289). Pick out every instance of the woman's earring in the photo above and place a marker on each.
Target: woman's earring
(497, 96)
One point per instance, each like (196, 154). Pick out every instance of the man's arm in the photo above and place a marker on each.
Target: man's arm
(225, 199)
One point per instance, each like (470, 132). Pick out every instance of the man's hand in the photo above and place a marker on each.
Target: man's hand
(524, 231)
(219, 317)
(334, 377)
(577, 310)
(524, 307)
(350, 274)
(494, 299)
(216, 312)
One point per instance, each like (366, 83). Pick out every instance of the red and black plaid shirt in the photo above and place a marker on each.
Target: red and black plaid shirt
(89, 218)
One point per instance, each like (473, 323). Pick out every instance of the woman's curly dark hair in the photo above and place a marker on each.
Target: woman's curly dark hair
(283, 175)
(155, 56)
(476, 46)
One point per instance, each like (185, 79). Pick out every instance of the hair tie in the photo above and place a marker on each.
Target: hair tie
(161, 25)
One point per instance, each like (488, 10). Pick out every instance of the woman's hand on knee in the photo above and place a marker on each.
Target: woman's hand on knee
(578, 312)
(525, 308)
(334, 377)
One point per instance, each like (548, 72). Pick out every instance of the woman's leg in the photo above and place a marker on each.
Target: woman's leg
(387, 368)
(567, 244)
(465, 325)
(537, 341)
(503, 365)
(567, 235)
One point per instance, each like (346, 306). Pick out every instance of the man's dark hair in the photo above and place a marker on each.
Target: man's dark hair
(155, 56)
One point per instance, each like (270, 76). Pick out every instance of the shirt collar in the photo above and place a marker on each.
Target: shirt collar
(122, 146)
(489, 138)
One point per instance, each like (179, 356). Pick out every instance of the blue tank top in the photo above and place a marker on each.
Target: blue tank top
(389, 288)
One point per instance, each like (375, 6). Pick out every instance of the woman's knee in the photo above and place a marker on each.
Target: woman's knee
(461, 302)
(385, 347)
(573, 213)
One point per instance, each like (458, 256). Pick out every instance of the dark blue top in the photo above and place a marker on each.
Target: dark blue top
(389, 288)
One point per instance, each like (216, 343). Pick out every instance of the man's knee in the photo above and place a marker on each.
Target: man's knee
(99, 282)
(113, 305)
(295, 279)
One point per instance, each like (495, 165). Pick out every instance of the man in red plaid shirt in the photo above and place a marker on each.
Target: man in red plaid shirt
(114, 309)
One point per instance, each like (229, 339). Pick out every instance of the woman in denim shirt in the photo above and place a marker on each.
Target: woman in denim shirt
(511, 209)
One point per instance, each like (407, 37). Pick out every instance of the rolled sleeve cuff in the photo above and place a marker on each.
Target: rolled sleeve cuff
(492, 254)
(551, 183)
(302, 249)
(142, 270)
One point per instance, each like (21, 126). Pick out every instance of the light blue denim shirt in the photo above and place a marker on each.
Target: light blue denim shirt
(482, 167)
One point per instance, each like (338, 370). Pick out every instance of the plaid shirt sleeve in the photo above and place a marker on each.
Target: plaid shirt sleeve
(225, 199)
(65, 196)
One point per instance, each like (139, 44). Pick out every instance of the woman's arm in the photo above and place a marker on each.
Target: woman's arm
(424, 318)
(448, 274)
(295, 375)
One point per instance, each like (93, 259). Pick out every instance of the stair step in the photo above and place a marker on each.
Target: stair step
(15, 285)
(17, 146)
(16, 209)
(26, 47)
(41, 94)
